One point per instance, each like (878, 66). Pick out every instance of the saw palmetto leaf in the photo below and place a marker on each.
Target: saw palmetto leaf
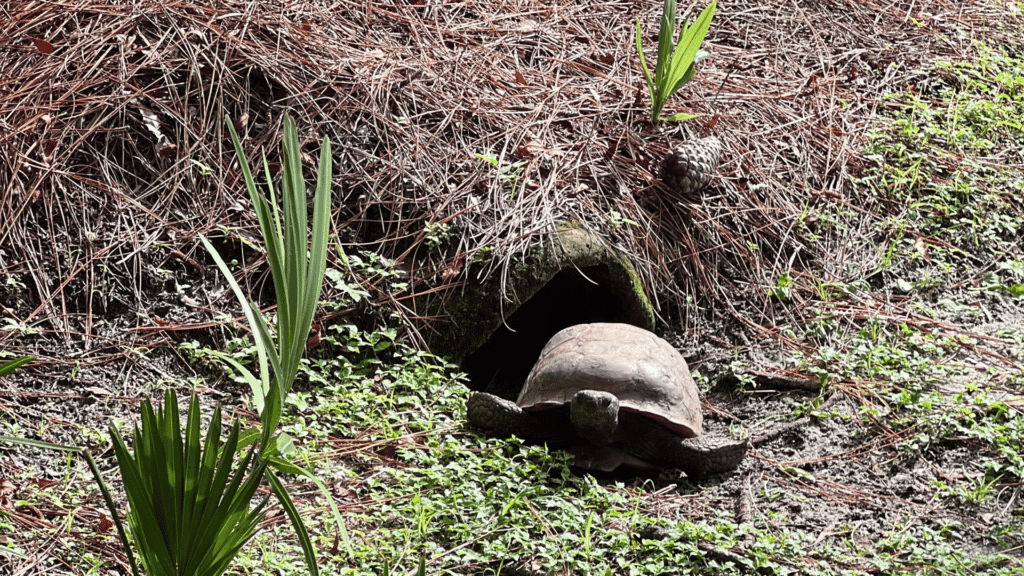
(185, 516)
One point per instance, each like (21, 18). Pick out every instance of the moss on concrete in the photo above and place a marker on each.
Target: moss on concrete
(479, 309)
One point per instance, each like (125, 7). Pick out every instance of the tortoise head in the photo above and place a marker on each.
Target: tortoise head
(595, 415)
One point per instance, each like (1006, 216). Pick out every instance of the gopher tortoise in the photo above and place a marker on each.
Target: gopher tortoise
(612, 395)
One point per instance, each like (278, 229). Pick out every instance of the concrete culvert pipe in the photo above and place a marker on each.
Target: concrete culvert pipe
(572, 278)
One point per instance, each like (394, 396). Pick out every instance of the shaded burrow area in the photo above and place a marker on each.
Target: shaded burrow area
(575, 295)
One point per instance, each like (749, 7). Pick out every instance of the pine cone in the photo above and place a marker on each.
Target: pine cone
(689, 167)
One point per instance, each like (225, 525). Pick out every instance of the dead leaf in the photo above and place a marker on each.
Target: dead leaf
(240, 122)
(607, 59)
(520, 78)
(639, 100)
(453, 269)
(151, 120)
(535, 148)
(105, 525)
(387, 451)
(43, 483)
(610, 152)
(530, 149)
(49, 145)
(96, 390)
(314, 341)
(710, 124)
(42, 45)
(922, 248)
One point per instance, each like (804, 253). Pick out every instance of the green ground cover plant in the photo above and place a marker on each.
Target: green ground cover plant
(470, 504)
(944, 157)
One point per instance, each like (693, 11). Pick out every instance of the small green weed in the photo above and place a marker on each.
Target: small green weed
(510, 173)
(936, 165)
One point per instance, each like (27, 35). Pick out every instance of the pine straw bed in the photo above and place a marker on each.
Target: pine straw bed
(115, 154)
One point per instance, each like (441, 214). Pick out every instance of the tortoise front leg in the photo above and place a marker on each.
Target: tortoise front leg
(501, 417)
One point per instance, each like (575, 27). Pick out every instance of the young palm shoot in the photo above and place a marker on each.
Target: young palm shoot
(297, 266)
(185, 516)
(676, 60)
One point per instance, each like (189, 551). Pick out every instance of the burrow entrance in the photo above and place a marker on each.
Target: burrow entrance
(573, 296)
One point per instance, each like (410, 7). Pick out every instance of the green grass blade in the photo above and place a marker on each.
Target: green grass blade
(258, 391)
(151, 459)
(8, 367)
(273, 232)
(296, 232)
(273, 416)
(266, 213)
(191, 473)
(680, 117)
(652, 90)
(300, 528)
(248, 437)
(242, 533)
(285, 467)
(270, 238)
(141, 514)
(277, 255)
(314, 280)
(204, 498)
(277, 250)
(690, 73)
(218, 516)
(260, 333)
(266, 220)
(104, 489)
(666, 35)
(169, 451)
(40, 444)
(233, 512)
(175, 449)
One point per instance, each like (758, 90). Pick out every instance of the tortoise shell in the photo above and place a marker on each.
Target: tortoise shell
(645, 372)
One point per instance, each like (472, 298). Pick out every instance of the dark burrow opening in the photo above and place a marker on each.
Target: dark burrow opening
(573, 296)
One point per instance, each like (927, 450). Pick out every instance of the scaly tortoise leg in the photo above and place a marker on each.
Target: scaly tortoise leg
(501, 417)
